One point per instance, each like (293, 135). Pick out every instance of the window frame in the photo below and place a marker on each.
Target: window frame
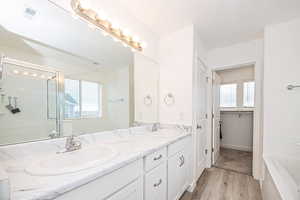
(100, 92)
(243, 86)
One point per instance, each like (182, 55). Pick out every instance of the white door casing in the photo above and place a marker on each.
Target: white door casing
(216, 119)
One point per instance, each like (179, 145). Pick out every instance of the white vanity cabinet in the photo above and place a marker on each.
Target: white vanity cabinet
(113, 186)
(155, 178)
(161, 175)
(179, 168)
(156, 183)
(131, 192)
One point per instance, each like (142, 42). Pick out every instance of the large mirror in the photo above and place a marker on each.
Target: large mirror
(58, 76)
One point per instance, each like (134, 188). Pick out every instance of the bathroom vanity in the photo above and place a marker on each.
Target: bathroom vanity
(148, 166)
(74, 80)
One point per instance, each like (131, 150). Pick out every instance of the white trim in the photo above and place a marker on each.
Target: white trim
(257, 132)
(192, 186)
(28, 65)
(236, 147)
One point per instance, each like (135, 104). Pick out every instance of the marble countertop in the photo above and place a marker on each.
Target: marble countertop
(132, 144)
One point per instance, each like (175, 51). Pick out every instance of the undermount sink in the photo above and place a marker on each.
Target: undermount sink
(71, 162)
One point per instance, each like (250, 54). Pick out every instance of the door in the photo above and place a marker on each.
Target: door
(201, 117)
(216, 117)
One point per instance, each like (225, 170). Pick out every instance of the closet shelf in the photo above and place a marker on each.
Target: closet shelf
(237, 109)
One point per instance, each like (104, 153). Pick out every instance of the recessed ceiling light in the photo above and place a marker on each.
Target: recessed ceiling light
(16, 71)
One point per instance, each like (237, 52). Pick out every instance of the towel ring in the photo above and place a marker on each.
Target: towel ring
(169, 99)
(291, 87)
(148, 100)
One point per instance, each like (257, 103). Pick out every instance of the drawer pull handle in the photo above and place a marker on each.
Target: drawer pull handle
(157, 158)
(157, 184)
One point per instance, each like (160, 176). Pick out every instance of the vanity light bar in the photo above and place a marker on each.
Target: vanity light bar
(26, 73)
(106, 26)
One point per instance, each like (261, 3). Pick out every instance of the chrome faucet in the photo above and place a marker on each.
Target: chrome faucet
(155, 127)
(72, 144)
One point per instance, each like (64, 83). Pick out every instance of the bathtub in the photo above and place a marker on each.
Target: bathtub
(283, 173)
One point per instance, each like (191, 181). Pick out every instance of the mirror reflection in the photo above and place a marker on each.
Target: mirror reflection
(59, 77)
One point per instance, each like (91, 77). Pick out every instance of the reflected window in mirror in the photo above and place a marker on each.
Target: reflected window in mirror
(82, 99)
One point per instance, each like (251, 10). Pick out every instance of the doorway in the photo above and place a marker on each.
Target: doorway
(232, 121)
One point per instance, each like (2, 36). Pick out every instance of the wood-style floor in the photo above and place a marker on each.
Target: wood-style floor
(239, 161)
(230, 180)
(220, 184)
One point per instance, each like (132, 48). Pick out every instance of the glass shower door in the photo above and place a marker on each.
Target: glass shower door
(28, 104)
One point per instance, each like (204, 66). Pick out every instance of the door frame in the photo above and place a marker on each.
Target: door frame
(213, 159)
(257, 164)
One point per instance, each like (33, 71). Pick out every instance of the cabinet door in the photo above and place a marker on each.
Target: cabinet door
(178, 175)
(130, 192)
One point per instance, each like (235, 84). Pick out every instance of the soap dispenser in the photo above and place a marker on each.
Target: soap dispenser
(4, 186)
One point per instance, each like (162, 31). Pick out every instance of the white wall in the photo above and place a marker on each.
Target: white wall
(176, 76)
(282, 107)
(245, 53)
(146, 80)
(237, 130)
(236, 75)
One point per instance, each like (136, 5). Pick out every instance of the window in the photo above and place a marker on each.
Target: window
(82, 99)
(228, 95)
(249, 88)
(90, 99)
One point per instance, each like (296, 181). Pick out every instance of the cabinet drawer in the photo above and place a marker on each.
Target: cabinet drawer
(131, 192)
(104, 186)
(156, 183)
(155, 159)
(179, 145)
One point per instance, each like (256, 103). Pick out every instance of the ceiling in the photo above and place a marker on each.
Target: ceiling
(53, 32)
(219, 22)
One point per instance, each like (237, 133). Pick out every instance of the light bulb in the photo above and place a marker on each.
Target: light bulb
(92, 26)
(25, 73)
(115, 25)
(34, 75)
(85, 4)
(74, 15)
(136, 38)
(16, 71)
(102, 16)
(126, 32)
